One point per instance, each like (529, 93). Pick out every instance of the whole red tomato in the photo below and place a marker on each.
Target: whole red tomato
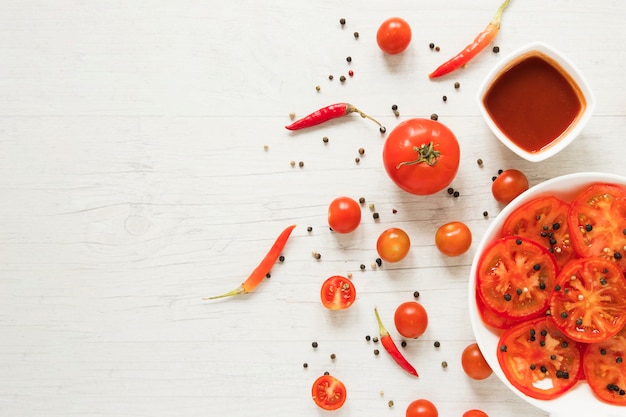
(393, 35)
(508, 185)
(421, 156)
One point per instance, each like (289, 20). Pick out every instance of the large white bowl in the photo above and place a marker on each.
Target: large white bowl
(579, 401)
(569, 69)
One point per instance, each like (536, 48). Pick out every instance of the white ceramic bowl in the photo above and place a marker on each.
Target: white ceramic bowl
(566, 68)
(579, 401)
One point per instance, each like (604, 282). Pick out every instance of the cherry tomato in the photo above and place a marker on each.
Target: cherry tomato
(597, 220)
(508, 185)
(411, 319)
(337, 293)
(394, 35)
(328, 392)
(474, 363)
(453, 239)
(588, 302)
(532, 351)
(475, 413)
(393, 245)
(421, 156)
(605, 369)
(421, 408)
(344, 215)
(515, 277)
(543, 220)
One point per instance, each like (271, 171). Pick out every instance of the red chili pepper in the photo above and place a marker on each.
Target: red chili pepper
(391, 347)
(327, 113)
(263, 269)
(481, 41)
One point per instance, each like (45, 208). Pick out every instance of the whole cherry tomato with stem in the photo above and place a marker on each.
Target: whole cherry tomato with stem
(394, 35)
(474, 363)
(508, 185)
(344, 215)
(453, 239)
(422, 408)
(393, 245)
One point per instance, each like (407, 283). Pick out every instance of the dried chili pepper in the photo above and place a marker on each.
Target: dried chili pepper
(481, 41)
(391, 348)
(327, 113)
(262, 269)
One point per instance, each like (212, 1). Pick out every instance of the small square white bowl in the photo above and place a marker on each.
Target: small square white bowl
(566, 68)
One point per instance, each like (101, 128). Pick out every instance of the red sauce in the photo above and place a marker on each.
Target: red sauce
(533, 103)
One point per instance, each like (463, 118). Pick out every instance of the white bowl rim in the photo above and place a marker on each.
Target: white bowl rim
(580, 397)
(575, 75)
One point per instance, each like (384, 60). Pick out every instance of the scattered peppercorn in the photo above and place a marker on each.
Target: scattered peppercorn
(362, 200)
(396, 113)
(437, 344)
(496, 49)
(349, 58)
(379, 261)
(309, 229)
(416, 294)
(376, 352)
(342, 78)
(394, 211)
(292, 163)
(351, 73)
(362, 266)
(268, 275)
(457, 85)
(403, 343)
(479, 162)
(485, 214)
(292, 115)
(500, 171)
(357, 159)
(434, 116)
(281, 258)
(342, 21)
(361, 151)
(372, 206)
(305, 365)
(356, 35)
(314, 344)
(450, 190)
(437, 48)
(390, 403)
(394, 107)
(333, 356)
(330, 77)
(316, 255)
(300, 164)
(444, 98)
(326, 373)
(444, 364)
(266, 147)
(456, 194)
(376, 216)
(368, 337)
(383, 129)
(431, 45)
(375, 339)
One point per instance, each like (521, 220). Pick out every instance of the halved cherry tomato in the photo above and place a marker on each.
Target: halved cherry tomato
(475, 413)
(538, 360)
(328, 392)
(508, 185)
(605, 367)
(421, 156)
(422, 408)
(393, 244)
(338, 293)
(394, 35)
(344, 214)
(589, 301)
(515, 277)
(474, 363)
(411, 319)
(597, 223)
(543, 220)
(453, 239)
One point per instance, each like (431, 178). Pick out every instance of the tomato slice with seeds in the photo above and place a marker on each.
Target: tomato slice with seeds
(597, 223)
(328, 392)
(543, 220)
(589, 300)
(605, 367)
(515, 277)
(338, 293)
(538, 360)
(491, 317)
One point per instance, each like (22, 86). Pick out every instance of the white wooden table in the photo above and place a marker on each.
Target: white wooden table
(144, 165)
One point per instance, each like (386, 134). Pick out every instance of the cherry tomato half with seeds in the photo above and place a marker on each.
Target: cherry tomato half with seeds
(394, 35)
(422, 408)
(475, 413)
(508, 185)
(453, 239)
(328, 392)
(393, 245)
(337, 293)
(411, 319)
(474, 363)
(421, 156)
(344, 215)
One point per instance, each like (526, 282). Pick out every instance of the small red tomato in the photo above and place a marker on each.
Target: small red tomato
(453, 239)
(508, 185)
(474, 363)
(475, 413)
(411, 319)
(337, 293)
(393, 245)
(344, 215)
(421, 408)
(394, 35)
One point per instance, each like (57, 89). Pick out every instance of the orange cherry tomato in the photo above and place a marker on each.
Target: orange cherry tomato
(453, 239)
(393, 245)
(328, 392)
(394, 35)
(344, 215)
(411, 319)
(337, 293)
(474, 363)
(422, 408)
(508, 185)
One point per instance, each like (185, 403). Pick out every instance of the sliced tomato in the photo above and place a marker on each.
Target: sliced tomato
(491, 317)
(538, 360)
(515, 277)
(337, 293)
(543, 220)
(605, 367)
(589, 300)
(597, 223)
(328, 392)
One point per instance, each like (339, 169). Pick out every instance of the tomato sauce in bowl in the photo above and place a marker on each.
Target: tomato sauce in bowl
(535, 102)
